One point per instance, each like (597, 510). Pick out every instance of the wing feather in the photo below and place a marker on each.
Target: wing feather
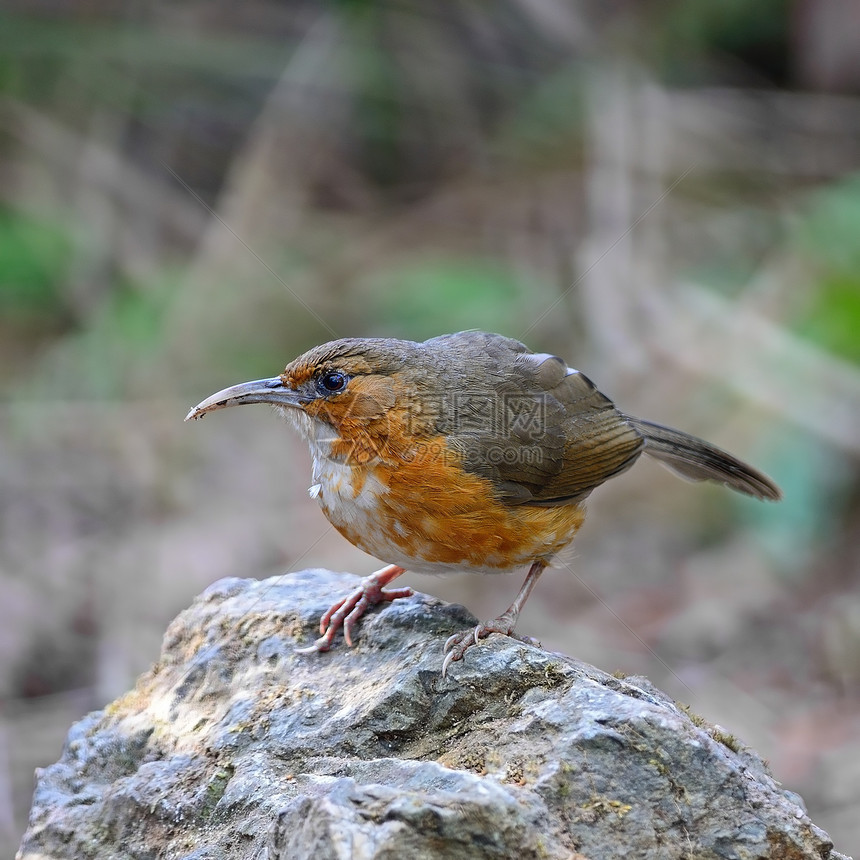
(552, 436)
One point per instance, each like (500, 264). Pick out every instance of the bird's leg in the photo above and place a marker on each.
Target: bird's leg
(345, 613)
(459, 643)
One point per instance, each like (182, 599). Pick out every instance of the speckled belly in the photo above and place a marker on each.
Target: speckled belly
(433, 517)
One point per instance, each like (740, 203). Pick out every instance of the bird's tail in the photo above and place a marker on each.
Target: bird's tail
(697, 460)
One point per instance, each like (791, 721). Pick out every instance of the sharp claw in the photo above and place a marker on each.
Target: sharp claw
(347, 611)
(321, 644)
(457, 645)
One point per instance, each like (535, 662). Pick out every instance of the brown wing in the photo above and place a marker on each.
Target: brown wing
(551, 437)
(599, 443)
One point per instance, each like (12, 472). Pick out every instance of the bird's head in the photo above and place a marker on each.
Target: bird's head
(356, 396)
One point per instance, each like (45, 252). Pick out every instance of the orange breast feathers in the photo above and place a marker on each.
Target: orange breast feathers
(434, 510)
(402, 494)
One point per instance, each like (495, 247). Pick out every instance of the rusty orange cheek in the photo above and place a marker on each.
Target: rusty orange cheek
(370, 396)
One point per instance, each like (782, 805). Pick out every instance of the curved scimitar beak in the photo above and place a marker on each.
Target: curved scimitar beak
(258, 391)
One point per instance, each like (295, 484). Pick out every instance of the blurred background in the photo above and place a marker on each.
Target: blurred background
(665, 193)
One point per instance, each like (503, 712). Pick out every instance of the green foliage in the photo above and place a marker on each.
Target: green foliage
(828, 237)
(34, 40)
(135, 315)
(726, 24)
(123, 334)
(814, 480)
(726, 249)
(833, 320)
(693, 35)
(376, 82)
(830, 231)
(423, 299)
(34, 255)
(549, 118)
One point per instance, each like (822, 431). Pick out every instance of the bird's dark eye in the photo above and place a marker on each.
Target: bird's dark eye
(333, 381)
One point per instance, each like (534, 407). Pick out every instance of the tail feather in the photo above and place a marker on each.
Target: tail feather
(698, 460)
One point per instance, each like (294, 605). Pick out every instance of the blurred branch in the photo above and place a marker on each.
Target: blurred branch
(797, 135)
(8, 830)
(638, 135)
(44, 140)
(721, 340)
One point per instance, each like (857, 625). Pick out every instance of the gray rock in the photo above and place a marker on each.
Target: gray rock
(234, 746)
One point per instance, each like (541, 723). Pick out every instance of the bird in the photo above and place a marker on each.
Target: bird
(467, 452)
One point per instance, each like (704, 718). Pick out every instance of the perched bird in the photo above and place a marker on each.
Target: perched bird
(468, 452)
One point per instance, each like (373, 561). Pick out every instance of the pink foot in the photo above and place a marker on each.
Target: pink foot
(458, 644)
(345, 613)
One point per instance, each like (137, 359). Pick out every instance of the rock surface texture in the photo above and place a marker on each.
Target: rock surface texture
(234, 746)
